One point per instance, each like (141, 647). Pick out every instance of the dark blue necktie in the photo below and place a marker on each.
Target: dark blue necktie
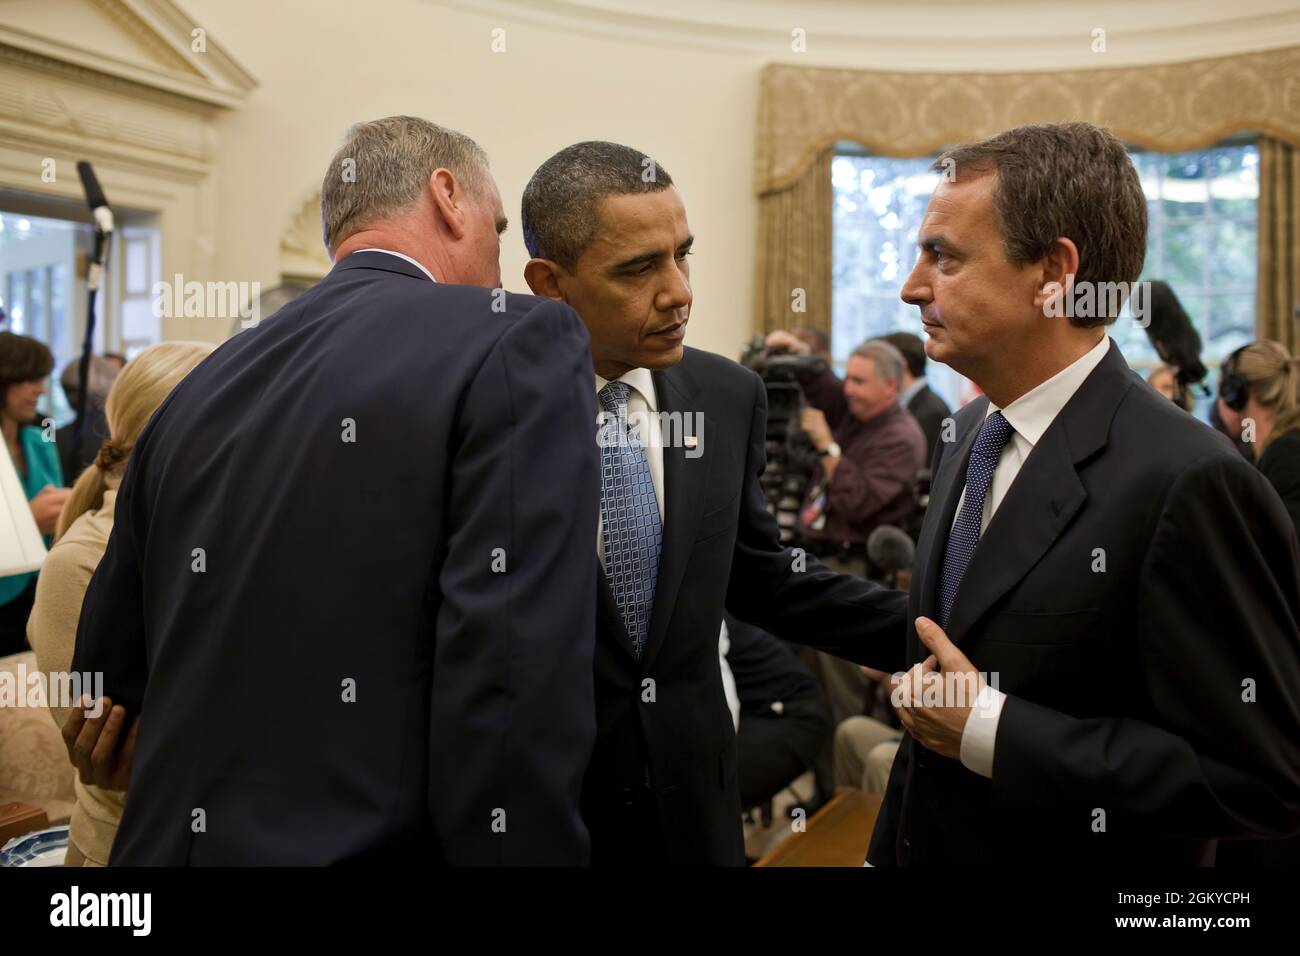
(630, 530)
(965, 533)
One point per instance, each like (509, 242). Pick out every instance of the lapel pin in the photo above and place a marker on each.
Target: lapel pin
(690, 441)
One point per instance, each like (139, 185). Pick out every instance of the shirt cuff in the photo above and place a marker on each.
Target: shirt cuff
(981, 731)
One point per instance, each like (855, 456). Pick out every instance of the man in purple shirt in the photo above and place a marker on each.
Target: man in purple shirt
(871, 450)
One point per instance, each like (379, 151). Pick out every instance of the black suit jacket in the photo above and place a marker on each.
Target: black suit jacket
(929, 410)
(1137, 581)
(384, 646)
(1280, 464)
(662, 784)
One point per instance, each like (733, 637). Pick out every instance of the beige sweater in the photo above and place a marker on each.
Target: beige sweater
(52, 632)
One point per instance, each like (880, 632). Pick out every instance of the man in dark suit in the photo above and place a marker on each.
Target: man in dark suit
(341, 584)
(684, 525)
(1132, 584)
(929, 410)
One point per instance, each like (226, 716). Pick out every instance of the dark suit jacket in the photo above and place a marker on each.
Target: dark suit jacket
(76, 456)
(1280, 464)
(350, 668)
(662, 785)
(929, 410)
(1136, 574)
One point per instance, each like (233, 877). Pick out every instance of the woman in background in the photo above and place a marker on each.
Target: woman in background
(24, 365)
(1165, 381)
(1259, 394)
(80, 540)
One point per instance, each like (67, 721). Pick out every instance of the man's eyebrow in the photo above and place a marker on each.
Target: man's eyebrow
(637, 260)
(502, 225)
(646, 257)
(932, 243)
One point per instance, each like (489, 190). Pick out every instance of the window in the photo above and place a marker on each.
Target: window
(879, 204)
(43, 296)
(1201, 240)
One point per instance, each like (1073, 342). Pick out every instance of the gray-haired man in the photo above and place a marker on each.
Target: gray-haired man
(341, 579)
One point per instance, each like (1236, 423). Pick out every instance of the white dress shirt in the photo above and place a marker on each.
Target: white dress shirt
(1029, 415)
(402, 256)
(642, 410)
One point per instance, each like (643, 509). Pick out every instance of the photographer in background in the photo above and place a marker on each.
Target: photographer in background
(870, 451)
(819, 346)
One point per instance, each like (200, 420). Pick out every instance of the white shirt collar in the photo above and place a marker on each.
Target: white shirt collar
(1032, 412)
(639, 379)
(401, 256)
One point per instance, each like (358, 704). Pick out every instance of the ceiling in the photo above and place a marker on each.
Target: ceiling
(994, 35)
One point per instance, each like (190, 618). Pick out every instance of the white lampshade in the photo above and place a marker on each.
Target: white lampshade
(21, 547)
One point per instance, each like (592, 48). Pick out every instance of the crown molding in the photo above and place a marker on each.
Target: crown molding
(201, 81)
(871, 36)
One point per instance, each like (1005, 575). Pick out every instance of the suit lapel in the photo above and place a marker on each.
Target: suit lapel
(685, 481)
(1040, 503)
(1043, 499)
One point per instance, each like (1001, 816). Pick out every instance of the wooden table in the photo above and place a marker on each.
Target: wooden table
(837, 834)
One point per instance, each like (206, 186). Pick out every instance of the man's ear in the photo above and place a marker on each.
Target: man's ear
(542, 276)
(448, 199)
(1056, 280)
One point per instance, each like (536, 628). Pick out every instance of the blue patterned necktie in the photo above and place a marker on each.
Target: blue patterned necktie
(965, 533)
(630, 531)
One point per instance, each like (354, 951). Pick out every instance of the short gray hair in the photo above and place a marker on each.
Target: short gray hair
(888, 360)
(382, 167)
(561, 198)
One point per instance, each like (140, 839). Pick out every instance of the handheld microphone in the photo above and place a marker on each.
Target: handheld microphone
(99, 209)
(890, 549)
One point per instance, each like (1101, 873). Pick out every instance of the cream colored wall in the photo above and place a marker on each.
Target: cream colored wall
(693, 112)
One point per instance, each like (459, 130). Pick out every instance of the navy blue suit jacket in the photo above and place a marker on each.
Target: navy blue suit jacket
(350, 589)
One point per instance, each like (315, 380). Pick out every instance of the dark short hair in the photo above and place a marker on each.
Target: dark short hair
(22, 359)
(561, 200)
(913, 350)
(1064, 179)
(814, 338)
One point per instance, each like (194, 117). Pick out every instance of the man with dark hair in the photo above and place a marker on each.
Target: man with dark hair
(929, 410)
(76, 455)
(816, 340)
(1106, 651)
(684, 527)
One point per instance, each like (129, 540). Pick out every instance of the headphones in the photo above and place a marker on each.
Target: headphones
(1233, 387)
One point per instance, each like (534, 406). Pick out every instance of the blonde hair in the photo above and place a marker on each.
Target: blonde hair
(136, 394)
(1272, 375)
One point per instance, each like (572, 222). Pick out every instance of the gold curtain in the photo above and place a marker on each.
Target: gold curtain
(1172, 107)
(794, 251)
(1277, 295)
